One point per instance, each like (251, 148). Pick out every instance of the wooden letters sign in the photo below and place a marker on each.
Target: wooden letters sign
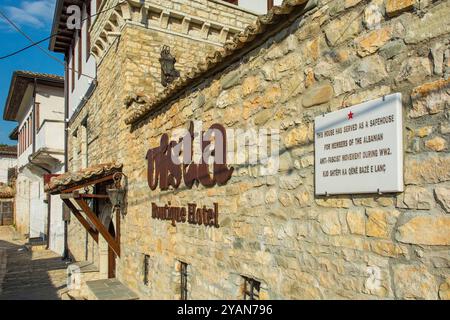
(208, 217)
(163, 171)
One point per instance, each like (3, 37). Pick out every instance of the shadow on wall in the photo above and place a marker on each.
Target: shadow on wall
(26, 279)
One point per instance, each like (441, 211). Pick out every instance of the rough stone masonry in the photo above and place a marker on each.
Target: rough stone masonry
(273, 228)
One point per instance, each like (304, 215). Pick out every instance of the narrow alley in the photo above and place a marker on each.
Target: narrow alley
(28, 274)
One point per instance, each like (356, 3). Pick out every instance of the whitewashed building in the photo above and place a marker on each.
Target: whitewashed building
(8, 161)
(36, 102)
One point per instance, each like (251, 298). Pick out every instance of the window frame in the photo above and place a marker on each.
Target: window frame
(183, 281)
(73, 67)
(88, 29)
(37, 106)
(249, 289)
(146, 270)
(80, 52)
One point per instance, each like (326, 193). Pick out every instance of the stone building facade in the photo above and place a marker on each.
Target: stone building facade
(301, 60)
(126, 42)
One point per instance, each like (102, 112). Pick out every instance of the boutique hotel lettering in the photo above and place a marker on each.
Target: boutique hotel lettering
(281, 150)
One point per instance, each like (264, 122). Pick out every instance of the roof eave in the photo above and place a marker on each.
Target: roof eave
(7, 116)
(14, 134)
(56, 15)
(10, 113)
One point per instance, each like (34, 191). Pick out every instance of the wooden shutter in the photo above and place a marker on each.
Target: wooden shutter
(80, 53)
(72, 69)
(88, 29)
(37, 116)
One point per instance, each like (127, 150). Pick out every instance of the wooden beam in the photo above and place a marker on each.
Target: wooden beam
(93, 196)
(99, 226)
(88, 183)
(66, 196)
(118, 225)
(76, 195)
(80, 218)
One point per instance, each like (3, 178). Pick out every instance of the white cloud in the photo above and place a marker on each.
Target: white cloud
(36, 14)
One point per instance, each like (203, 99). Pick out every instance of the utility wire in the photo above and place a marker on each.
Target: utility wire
(25, 48)
(39, 47)
(47, 38)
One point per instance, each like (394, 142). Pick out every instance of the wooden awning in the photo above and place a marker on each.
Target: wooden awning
(70, 181)
(68, 186)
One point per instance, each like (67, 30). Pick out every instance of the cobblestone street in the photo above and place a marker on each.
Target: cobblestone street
(28, 275)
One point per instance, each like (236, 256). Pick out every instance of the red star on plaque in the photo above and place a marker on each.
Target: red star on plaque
(350, 115)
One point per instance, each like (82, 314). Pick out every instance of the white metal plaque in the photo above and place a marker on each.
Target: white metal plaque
(360, 149)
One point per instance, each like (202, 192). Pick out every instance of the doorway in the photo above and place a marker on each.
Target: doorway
(111, 254)
(6, 213)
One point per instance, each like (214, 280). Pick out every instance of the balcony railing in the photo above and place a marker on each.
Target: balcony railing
(50, 135)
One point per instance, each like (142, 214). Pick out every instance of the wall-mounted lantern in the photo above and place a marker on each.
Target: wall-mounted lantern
(168, 71)
(117, 193)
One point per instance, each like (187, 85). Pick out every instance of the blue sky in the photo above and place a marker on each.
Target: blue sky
(34, 17)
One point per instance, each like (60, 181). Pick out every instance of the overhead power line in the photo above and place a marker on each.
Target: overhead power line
(33, 43)
(37, 45)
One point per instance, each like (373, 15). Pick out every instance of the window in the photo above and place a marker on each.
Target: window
(80, 54)
(24, 136)
(84, 144)
(30, 131)
(251, 289)
(72, 69)
(27, 133)
(88, 27)
(184, 275)
(74, 150)
(20, 142)
(146, 268)
(37, 115)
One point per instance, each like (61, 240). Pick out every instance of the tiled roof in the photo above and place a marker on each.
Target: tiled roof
(243, 39)
(72, 179)
(6, 192)
(20, 81)
(9, 150)
(42, 76)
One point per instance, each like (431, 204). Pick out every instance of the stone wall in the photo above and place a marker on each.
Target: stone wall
(190, 28)
(131, 64)
(273, 228)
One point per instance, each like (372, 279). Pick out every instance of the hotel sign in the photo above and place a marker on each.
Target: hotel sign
(360, 149)
(173, 161)
(191, 214)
